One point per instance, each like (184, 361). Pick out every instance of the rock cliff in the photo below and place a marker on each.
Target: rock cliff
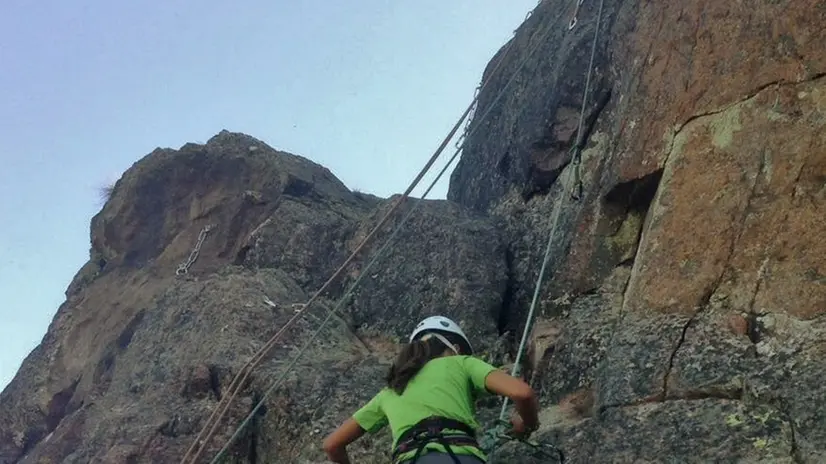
(682, 320)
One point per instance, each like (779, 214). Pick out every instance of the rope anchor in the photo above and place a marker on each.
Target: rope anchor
(183, 268)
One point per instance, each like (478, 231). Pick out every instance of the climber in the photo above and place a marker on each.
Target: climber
(429, 401)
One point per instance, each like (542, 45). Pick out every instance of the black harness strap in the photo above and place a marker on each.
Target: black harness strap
(432, 430)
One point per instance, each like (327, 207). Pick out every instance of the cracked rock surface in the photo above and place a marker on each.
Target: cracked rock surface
(682, 319)
(685, 281)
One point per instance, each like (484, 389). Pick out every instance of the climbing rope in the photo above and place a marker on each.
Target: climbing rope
(200, 442)
(580, 135)
(398, 228)
(340, 305)
(460, 142)
(498, 431)
(240, 379)
(183, 268)
(493, 439)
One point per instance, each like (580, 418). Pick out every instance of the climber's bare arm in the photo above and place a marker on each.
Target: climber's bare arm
(335, 445)
(523, 396)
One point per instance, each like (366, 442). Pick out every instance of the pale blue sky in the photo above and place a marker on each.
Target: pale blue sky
(367, 88)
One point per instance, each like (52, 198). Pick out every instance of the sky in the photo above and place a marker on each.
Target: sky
(367, 88)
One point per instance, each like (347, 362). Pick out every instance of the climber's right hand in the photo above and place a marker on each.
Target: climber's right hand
(519, 429)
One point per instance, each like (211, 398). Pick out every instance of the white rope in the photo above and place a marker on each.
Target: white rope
(281, 378)
(555, 216)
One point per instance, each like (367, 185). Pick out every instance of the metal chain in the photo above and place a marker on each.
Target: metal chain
(183, 268)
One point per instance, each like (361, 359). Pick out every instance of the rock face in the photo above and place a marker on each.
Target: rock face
(685, 300)
(138, 356)
(683, 319)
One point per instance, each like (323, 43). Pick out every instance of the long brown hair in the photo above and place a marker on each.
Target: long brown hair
(413, 356)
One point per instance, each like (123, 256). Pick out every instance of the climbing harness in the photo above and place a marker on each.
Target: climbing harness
(200, 442)
(449, 432)
(435, 430)
(573, 22)
(183, 268)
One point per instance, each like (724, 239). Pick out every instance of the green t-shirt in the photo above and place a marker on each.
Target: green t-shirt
(445, 387)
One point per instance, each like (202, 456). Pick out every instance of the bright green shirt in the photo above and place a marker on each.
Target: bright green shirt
(446, 387)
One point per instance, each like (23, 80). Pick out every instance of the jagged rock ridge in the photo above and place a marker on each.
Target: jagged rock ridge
(137, 356)
(683, 320)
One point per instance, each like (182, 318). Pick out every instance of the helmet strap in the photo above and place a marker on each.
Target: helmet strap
(442, 339)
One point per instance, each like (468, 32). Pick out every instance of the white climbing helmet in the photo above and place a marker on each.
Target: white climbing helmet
(440, 324)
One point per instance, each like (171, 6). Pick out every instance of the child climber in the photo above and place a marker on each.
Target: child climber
(429, 401)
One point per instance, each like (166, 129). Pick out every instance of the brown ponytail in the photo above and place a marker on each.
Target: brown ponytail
(412, 358)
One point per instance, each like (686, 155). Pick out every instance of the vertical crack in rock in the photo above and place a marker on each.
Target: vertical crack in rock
(739, 235)
(504, 316)
(215, 382)
(629, 203)
(252, 457)
(241, 256)
(753, 326)
(59, 406)
(672, 358)
(632, 200)
(794, 452)
(255, 428)
(540, 180)
(781, 406)
(591, 121)
(252, 454)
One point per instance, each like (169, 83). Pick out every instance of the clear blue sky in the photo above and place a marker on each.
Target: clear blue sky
(365, 87)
